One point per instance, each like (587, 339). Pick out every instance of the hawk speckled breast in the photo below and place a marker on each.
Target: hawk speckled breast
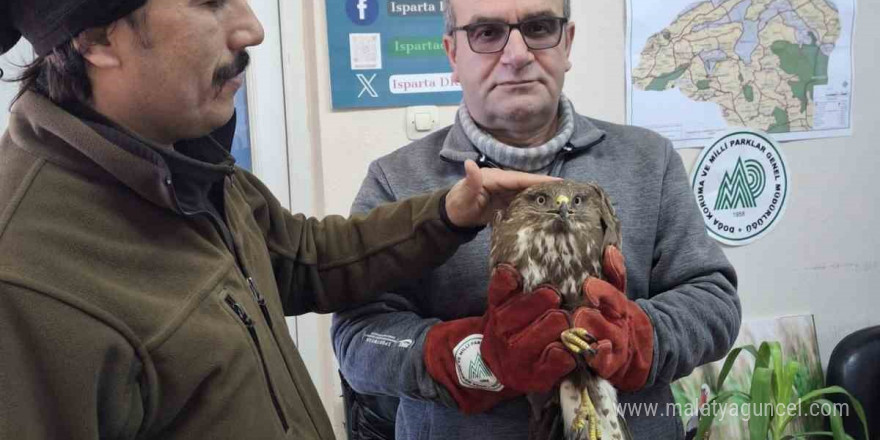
(556, 233)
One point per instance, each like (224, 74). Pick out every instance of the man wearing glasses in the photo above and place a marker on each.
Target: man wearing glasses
(417, 343)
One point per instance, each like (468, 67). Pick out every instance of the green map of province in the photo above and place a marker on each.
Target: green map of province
(759, 60)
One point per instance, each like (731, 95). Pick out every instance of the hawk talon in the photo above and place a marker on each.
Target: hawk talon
(588, 353)
(586, 414)
(578, 340)
(585, 335)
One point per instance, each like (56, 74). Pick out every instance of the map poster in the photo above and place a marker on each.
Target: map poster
(388, 53)
(696, 69)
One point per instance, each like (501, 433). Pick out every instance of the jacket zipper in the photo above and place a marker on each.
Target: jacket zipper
(260, 300)
(230, 241)
(237, 308)
(242, 315)
(484, 162)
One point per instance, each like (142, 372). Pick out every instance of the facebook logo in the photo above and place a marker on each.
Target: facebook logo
(362, 12)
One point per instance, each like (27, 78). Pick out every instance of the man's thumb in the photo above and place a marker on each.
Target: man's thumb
(473, 177)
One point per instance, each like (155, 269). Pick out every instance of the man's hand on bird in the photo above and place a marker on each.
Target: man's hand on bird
(474, 200)
(516, 341)
(617, 332)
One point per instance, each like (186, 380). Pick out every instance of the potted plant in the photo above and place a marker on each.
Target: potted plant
(773, 398)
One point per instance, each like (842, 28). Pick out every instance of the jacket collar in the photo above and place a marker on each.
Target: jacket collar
(457, 147)
(97, 147)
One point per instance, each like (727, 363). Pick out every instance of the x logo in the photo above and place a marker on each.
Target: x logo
(368, 85)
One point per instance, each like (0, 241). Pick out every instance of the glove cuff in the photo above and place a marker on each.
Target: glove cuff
(452, 357)
(635, 375)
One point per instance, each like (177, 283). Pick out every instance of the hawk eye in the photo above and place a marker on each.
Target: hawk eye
(577, 201)
(541, 200)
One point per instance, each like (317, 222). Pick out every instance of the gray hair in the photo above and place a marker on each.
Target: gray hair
(450, 14)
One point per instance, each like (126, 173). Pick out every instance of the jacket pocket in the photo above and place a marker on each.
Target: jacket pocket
(245, 319)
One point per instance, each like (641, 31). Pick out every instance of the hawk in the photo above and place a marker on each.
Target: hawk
(555, 233)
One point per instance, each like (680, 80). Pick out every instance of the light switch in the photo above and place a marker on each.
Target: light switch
(421, 120)
(424, 122)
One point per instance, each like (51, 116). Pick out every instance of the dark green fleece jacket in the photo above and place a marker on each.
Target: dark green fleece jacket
(126, 314)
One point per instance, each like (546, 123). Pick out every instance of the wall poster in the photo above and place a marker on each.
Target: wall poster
(386, 53)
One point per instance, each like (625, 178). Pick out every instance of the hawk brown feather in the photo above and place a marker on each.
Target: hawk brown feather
(556, 233)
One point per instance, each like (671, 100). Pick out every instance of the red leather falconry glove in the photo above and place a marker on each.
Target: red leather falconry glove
(512, 349)
(624, 333)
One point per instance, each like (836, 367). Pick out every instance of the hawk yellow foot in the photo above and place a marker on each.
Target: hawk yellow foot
(578, 340)
(586, 415)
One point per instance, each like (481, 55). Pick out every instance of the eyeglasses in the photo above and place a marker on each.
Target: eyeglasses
(492, 37)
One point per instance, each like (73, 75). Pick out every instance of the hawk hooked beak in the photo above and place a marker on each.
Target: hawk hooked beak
(562, 203)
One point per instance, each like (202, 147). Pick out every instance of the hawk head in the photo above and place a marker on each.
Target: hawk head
(556, 233)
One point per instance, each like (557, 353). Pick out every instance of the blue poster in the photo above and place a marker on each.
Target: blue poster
(241, 143)
(387, 53)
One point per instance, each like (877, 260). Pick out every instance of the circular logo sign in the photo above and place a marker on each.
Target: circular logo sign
(469, 366)
(741, 184)
(362, 12)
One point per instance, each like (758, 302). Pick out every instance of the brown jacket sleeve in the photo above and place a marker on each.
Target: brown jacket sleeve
(327, 265)
(64, 371)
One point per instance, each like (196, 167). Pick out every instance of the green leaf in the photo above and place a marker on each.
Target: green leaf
(839, 390)
(786, 394)
(763, 359)
(790, 373)
(773, 382)
(809, 434)
(777, 366)
(836, 421)
(713, 405)
(817, 394)
(731, 359)
(759, 422)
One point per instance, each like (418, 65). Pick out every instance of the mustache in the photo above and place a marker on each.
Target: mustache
(233, 69)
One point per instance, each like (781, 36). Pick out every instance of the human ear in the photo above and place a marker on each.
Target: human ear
(569, 40)
(449, 46)
(97, 48)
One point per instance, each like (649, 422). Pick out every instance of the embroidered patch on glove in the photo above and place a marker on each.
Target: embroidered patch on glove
(472, 371)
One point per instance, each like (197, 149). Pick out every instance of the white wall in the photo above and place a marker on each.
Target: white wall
(823, 259)
(20, 55)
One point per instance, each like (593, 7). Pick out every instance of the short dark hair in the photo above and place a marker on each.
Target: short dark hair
(449, 14)
(62, 75)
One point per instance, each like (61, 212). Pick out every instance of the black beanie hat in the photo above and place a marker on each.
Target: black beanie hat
(50, 23)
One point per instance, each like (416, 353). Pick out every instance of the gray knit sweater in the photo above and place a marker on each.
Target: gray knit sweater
(534, 159)
(676, 273)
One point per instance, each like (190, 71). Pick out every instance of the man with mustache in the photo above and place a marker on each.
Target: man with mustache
(144, 279)
(678, 302)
